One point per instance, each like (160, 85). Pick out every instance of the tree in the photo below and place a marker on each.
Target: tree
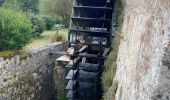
(11, 4)
(15, 30)
(49, 22)
(29, 5)
(61, 8)
(24, 5)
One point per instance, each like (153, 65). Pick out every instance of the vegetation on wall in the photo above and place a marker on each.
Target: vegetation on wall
(15, 30)
(110, 86)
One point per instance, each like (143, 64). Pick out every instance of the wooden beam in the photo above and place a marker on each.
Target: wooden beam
(83, 48)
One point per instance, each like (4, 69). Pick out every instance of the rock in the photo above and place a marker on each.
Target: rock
(35, 75)
(143, 65)
(1, 59)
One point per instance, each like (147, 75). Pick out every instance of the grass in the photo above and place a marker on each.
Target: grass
(46, 37)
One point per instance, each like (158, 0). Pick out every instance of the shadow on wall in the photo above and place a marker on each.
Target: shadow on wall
(47, 91)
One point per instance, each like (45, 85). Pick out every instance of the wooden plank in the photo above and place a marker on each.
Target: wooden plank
(90, 77)
(88, 67)
(87, 55)
(91, 19)
(70, 50)
(72, 62)
(84, 60)
(106, 51)
(78, 55)
(83, 48)
(92, 22)
(70, 85)
(70, 94)
(71, 74)
(89, 31)
(64, 58)
(93, 7)
(96, 45)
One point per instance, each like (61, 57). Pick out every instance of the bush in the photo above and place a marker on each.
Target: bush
(49, 22)
(38, 24)
(58, 20)
(15, 30)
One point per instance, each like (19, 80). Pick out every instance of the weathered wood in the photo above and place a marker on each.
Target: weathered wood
(92, 22)
(70, 94)
(70, 50)
(83, 48)
(84, 76)
(90, 32)
(73, 62)
(106, 51)
(88, 67)
(93, 7)
(70, 85)
(84, 60)
(95, 45)
(71, 74)
(85, 89)
(64, 58)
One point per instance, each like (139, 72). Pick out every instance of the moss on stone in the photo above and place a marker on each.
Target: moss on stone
(7, 54)
(14, 85)
(110, 94)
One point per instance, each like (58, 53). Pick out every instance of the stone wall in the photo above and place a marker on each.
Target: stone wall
(29, 77)
(60, 72)
(143, 64)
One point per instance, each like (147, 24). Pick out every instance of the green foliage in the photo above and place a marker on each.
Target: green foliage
(61, 8)
(12, 4)
(119, 12)
(49, 22)
(15, 30)
(38, 24)
(58, 20)
(24, 5)
(110, 69)
(28, 5)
